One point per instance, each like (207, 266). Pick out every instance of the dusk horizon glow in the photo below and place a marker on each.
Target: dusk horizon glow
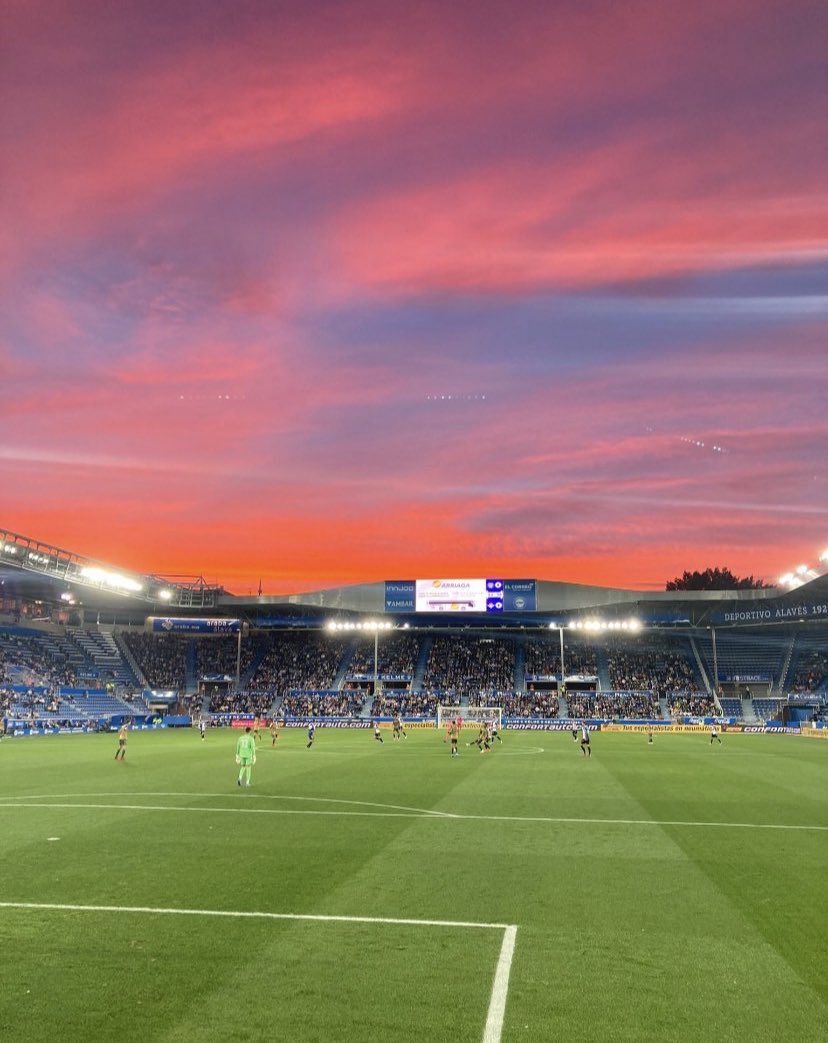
(323, 294)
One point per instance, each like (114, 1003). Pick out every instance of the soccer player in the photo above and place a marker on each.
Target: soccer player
(496, 732)
(245, 756)
(257, 733)
(714, 734)
(649, 734)
(453, 735)
(478, 742)
(575, 733)
(274, 732)
(202, 727)
(586, 749)
(120, 753)
(487, 737)
(311, 732)
(377, 732)
(396, 725)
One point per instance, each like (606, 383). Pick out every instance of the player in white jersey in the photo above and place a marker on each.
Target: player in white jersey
(586, 749)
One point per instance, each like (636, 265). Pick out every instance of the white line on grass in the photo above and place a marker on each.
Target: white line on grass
(253, 914)
(426, 816)
(259, 796)
(500, 987)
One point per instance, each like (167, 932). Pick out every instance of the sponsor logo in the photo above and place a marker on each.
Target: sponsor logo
(538, 724)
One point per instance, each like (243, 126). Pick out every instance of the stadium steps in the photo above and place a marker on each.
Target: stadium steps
(344, 666)
(422, 663)
(665, 709)
(191, 668)
(256, 662)
(604, 683)
(786, 665)
(563, 707)
(749, 713)
(123, 647)
(519, 675)
(706, 682)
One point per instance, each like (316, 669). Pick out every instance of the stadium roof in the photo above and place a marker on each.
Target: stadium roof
(36, 570)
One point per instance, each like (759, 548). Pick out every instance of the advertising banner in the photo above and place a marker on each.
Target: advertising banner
(542, 724)
(173, 625)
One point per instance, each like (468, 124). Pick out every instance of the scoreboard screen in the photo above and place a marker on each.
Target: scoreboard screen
(460, 595)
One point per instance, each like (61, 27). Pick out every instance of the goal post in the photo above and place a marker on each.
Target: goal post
(471, 716)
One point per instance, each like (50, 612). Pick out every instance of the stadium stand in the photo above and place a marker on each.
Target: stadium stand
(473, 668)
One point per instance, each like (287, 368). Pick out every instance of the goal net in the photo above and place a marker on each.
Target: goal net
(472, 716)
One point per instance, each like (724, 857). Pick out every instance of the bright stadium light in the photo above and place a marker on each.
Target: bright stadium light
(593, 624)
(165, 595)
(110, 579)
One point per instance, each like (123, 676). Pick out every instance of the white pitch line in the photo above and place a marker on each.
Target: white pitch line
(427, 816)
(497, 1004)
(259, 796)
(254, 915)
(500, 988)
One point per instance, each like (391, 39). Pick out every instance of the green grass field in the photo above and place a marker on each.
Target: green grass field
(652, 898)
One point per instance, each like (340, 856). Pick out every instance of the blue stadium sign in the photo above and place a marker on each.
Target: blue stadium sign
(184, 625)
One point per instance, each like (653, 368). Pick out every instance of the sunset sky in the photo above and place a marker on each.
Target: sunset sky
(326, 293)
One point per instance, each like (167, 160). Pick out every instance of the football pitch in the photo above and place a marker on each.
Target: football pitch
(358, 891)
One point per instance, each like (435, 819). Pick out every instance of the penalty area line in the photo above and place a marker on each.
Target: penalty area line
(253, 915)
(493, 1029)
(500, 988)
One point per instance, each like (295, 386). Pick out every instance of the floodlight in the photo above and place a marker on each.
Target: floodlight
(165, 594)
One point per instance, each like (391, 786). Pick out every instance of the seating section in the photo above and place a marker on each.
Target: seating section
(54, 672)
(532, 704)
(479, 669)
(651, 664)
(161, 657)
(396, 657)
(618, 706)
(811, 671)
(745, 655)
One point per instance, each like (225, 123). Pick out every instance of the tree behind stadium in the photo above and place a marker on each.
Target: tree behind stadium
(715, 579)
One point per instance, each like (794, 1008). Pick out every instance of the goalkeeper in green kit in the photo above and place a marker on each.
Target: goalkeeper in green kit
(245, 756)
